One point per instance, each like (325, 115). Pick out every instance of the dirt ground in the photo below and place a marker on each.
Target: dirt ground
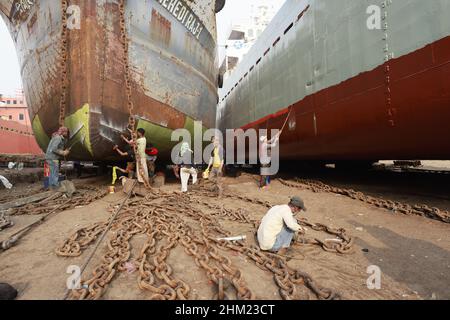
(412, 252)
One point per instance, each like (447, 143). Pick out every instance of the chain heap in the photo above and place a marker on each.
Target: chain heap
(80, 240)
(63, 63)
(342, 245)
(240, 215)
(171, 220)
(128, 90)
(421, 210)
(84, 196)
(12, 194)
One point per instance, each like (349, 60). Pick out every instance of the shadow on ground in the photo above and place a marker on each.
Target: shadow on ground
(421, 265)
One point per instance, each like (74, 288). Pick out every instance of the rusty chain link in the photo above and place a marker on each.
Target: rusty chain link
(170, 220)
(342, 245)
(63, 62)
(13, 194)
(80, 240)
(128, 90)
(394, 206)
(85, 195)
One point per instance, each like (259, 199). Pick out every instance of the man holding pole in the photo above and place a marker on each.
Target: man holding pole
(55, 153)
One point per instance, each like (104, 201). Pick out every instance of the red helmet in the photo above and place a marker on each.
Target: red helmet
(153, 152)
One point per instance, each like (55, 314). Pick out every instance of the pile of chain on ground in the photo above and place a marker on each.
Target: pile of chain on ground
(343, 244)
(422, 210)
(170, 220)
(84, 195)
(12, 194)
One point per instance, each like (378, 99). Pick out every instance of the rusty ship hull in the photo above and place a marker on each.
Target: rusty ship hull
(347, 91)
(172, 63)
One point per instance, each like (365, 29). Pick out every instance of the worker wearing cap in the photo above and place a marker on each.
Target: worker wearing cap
(279, 225)
(55, 152)
(217, 160)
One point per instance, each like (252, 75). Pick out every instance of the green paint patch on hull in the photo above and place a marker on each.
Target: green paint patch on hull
(78, 124)
(41, 137)
(157, 135)
(160, 137)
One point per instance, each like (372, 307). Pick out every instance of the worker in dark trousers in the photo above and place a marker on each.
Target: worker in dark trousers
(152, 155)
(78, 168)
(131, 160)
(265, 157)
(216, 164)
(56, 151)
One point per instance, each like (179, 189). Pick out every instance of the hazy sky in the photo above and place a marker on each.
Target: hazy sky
(234, 12)
(9, 67)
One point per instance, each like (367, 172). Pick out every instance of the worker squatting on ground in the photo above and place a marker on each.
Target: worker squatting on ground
(279, 225)
(265, 157)
(55, 152)
(141, 157)
(187, 168)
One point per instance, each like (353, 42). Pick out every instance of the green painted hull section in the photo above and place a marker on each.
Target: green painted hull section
(41, 137)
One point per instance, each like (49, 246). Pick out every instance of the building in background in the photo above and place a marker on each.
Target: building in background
(242, 35)
(16, 133)
(14, 108)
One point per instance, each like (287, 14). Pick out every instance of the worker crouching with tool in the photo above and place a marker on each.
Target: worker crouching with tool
(55, 153)
(279, 226)
(131, 164)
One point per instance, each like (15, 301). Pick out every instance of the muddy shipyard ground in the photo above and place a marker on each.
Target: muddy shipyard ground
(393, 255)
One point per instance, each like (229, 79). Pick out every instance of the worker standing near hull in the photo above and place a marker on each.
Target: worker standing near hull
(141, 157)
(216, 163)
(171, 50)
(187, 167)
(151, 155)
(55, 152)
(131, 161)
(265, 157)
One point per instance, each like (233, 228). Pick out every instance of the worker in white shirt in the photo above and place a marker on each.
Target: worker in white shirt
(187, 167)
(279, 225)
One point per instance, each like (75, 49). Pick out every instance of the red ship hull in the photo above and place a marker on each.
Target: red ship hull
(17, 139)
(400, 110)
